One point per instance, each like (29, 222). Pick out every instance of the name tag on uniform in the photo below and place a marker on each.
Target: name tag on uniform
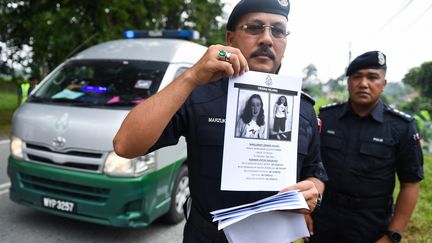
(331, 132)
(380, 140)
(216, 120)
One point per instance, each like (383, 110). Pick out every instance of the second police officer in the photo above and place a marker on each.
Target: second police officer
(364, 144)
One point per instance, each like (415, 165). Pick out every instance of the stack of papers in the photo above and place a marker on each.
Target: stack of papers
(283, 201)
(262, 220)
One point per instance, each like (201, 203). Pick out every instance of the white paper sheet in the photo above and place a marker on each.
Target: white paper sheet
(67, 94)
(256, 158)
(274, 226)
(284, 201)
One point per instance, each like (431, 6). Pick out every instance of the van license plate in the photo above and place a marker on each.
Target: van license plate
(57, 204)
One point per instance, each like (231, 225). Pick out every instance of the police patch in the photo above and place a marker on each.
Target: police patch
(417, 139)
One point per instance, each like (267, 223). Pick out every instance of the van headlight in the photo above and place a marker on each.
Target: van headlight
(16, 147)
(122, 167)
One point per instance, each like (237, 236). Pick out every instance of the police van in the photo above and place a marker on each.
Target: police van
(62, 159)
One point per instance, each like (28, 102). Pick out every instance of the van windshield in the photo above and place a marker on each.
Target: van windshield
(102, 83)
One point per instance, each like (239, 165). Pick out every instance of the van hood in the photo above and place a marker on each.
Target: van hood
(67, 127)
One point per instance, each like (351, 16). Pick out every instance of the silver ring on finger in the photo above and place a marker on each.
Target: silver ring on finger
(224, 55)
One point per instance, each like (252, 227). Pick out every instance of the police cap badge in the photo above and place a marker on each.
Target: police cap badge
(371, 59)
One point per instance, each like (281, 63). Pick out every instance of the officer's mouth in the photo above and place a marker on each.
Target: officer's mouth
(363, 94)
(263, 56)
(264, 53)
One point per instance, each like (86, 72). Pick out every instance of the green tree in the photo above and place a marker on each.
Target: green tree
(336, 89)
(421, 109)
(420, 78)
(395, 93)
(417, 104)
(55, 30)
(311, 84)
(310, 73)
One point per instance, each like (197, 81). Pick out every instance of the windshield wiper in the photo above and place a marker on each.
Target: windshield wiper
(63, 101)
(33, 98)
(122, 103)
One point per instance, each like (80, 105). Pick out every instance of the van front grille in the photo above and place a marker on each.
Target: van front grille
(62, 188)
(74, 153)
(75, 165)
(70, 159)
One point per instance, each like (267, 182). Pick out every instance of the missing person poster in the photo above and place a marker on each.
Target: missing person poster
(261, 131)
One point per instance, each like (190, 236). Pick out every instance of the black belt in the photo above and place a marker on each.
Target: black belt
(355, 202)
(205, 227)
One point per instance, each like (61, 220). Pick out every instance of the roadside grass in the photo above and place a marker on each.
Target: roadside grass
(8, 104)
(418, 229)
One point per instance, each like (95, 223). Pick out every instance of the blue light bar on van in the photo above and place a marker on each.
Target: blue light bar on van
(176, 34)
(94, 89)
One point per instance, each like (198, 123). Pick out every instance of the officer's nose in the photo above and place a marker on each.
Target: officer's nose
(266, 36)
(364, 82)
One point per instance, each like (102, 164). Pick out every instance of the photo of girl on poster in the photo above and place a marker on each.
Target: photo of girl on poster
(251, 123)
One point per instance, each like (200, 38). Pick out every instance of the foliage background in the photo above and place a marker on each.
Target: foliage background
(39, 35)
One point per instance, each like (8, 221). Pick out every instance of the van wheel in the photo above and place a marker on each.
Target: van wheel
(179, 195)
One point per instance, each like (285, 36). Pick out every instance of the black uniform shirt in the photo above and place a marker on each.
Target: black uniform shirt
(201, 120)
(362, 154)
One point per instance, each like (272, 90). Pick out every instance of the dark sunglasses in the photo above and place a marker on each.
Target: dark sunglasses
(257, 29)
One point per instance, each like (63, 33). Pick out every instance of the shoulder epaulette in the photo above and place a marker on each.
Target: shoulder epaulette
(331, 105)
(308, 97)
(399, 113)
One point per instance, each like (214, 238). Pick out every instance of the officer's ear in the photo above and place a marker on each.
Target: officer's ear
(384, 72)
(385, 83)
(229, 35)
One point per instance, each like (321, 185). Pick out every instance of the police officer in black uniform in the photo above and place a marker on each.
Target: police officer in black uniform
(364, 143)
(194, 106)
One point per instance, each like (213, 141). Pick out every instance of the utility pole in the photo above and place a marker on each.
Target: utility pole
(349, 54)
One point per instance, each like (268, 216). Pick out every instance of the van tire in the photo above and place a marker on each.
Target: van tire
(179, 195)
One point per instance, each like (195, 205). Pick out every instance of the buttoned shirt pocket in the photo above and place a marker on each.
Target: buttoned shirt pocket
(377, 158)
(332, 142)
(377, 150)
(331, 146)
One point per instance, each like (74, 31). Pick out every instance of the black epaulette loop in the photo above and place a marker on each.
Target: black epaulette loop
(308, 97)
(331, 105)
(399, 113)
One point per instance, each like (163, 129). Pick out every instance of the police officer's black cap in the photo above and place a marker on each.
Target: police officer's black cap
(371, 59)
(281, 7)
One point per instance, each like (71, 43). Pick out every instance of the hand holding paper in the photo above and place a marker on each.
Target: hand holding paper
(310, 191)
(261, 216)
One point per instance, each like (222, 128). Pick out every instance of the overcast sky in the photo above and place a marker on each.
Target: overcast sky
(323, 32)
